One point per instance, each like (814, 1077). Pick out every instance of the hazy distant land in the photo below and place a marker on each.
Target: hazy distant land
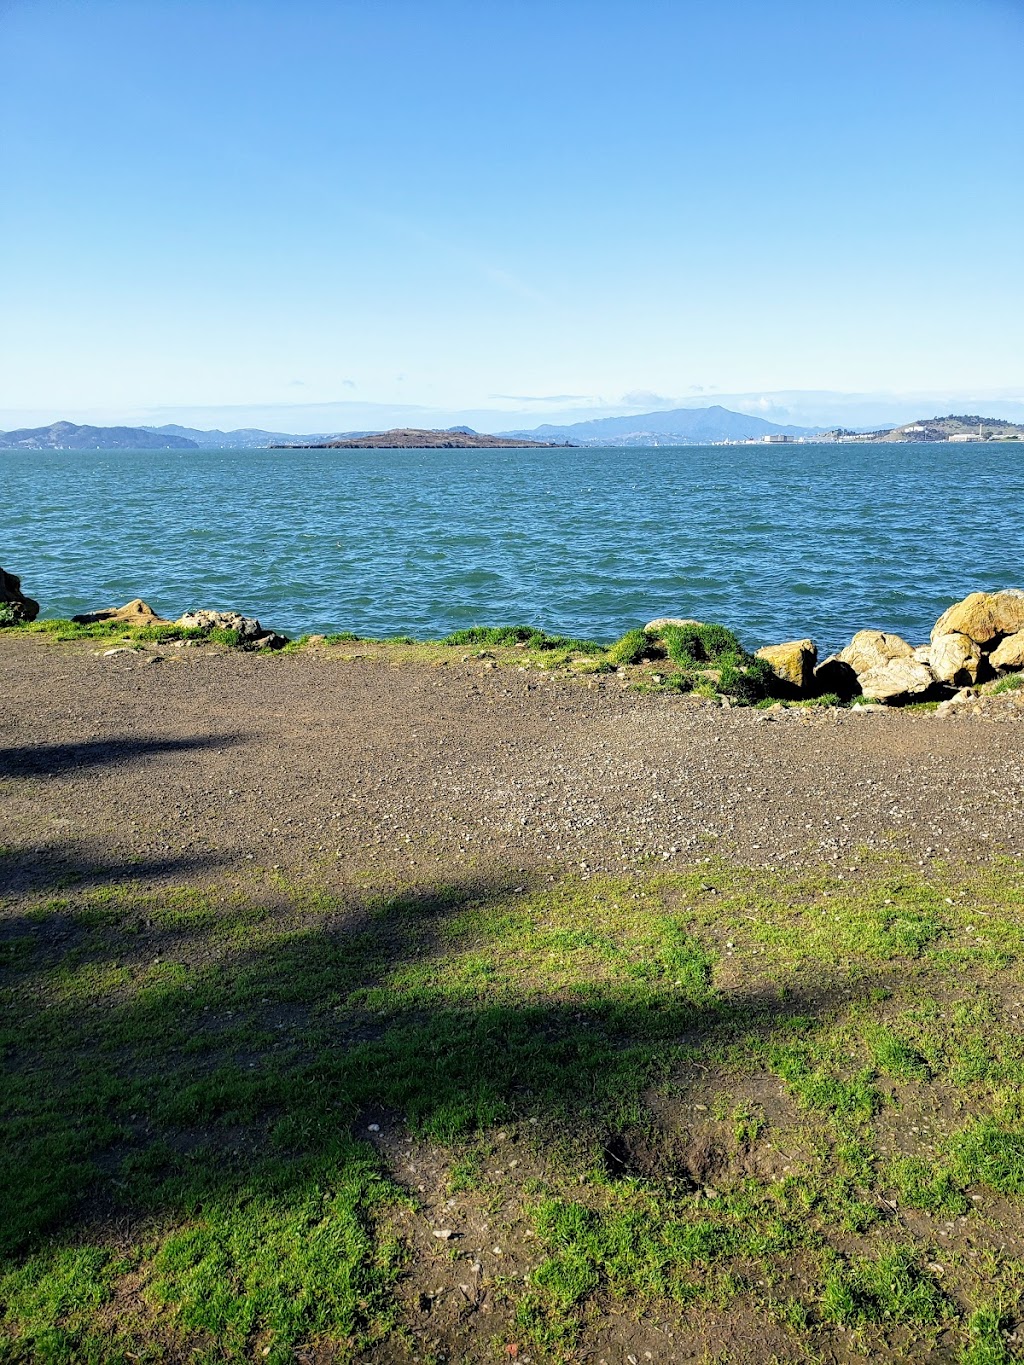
(681, 426)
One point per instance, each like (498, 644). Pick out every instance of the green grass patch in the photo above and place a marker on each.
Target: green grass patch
(889, 1287)
(696, 1068)
(529, 636)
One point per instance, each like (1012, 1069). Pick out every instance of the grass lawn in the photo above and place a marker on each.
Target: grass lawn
(508, 1117)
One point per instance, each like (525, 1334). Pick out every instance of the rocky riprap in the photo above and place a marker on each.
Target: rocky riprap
(975, 641)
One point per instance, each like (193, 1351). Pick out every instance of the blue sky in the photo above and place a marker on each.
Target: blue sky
(316, 216)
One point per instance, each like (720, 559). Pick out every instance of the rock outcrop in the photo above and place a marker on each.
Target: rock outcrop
(133, 613)
(901, 677)
(248, 629)
(984, 617)
(660, 622)
(1010, 653)
(793, 664)
(15, 607)
(954, 658)
(977, 638)
(870, 649)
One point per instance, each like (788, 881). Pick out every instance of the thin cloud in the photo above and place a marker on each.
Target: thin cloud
(543, 397)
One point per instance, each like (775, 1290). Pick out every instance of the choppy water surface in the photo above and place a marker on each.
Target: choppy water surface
(775, 542)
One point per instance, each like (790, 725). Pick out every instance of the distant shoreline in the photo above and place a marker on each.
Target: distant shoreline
(681, 428)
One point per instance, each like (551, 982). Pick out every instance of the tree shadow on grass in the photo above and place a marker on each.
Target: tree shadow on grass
(67, 867)
(199, 1059)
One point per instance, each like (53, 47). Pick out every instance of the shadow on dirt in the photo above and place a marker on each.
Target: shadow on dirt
(53, 760)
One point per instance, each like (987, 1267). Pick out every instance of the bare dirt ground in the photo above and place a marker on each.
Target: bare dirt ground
(210, 759)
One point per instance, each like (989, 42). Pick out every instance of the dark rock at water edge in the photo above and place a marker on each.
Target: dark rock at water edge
(15, 607)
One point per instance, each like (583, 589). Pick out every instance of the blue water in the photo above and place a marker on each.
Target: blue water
(775, 542)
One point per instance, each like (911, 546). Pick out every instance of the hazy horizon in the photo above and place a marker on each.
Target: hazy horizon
(808, 409)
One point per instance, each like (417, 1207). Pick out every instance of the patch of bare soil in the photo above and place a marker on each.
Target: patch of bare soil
(211, 760)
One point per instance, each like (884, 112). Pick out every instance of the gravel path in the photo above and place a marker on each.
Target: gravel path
(210, 760)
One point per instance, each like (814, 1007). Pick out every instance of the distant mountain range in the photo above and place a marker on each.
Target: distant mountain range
(248, 438)
(68, 436)
(680, 426)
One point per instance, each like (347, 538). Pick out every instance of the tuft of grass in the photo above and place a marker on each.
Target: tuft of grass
(988, 1153)
(702, 643)
(711, 659)
(1011, 684)
(925, 1185)
(529, 636)
(893, 1055)
(887, 1288)
(633, 648)
(986, 1344)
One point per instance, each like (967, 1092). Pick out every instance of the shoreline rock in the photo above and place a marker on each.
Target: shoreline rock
(976, 640)
(133, 613)
(793, 663)
(15, 607)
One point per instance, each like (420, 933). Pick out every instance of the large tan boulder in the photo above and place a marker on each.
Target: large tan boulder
(984, 616)
(133, 613)
(792, 663)
(955, 658)
(15, 607)
(874, 649)
(1009, 654)
(897, 679)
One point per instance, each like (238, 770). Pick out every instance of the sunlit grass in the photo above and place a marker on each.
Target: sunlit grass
(198, 1062)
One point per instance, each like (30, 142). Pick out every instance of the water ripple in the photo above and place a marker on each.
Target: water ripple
(817, 540)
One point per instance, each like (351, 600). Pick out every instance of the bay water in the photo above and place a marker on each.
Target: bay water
(776, 542)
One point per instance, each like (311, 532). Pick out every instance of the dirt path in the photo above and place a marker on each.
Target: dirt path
(211, 759)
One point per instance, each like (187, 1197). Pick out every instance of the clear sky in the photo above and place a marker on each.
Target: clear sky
(307, 214)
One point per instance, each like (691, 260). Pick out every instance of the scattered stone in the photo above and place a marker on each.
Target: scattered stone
(135, 613)
(792, 663)
(900, 677)
(1010, 653)
(984, 616)
(121, 649)
(15, 607)
(955, 658)
(870, 649)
